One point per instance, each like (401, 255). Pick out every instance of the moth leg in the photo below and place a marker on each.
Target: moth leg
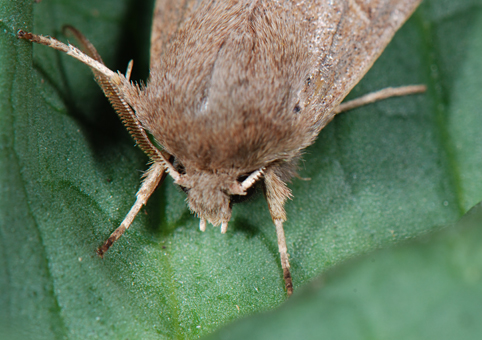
(86, 44)
(380, 95)
(276, 193)
(283, 252)
(91, 50)
(202, 224)
(116, 87)
(224, 227)
(74, 52)
(153, 177)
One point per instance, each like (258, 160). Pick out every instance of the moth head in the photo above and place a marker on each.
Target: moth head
(209, 194)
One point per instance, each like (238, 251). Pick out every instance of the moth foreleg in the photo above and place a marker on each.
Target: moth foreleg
(380, 95)
(276, 193)
(86, 44)
(283, 252)
(153, 177)
(72, 51)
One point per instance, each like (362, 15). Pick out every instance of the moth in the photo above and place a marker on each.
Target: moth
(237, 90)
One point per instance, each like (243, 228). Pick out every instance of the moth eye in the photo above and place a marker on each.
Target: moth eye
(179, 167)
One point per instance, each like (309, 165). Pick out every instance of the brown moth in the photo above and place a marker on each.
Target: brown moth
(237, 89)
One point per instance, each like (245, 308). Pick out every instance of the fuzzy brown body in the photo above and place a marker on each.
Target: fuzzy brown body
(236, 86)
(225, 98)
(222, 97)
(237, 89)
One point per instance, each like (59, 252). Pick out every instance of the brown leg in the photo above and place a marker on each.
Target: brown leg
(121, 93)
(380, 95)
(276, 194)
(283, 252)
(86, 44)
(152, 179)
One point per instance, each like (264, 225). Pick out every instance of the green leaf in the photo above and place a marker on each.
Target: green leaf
(69, 172)
(427, 289)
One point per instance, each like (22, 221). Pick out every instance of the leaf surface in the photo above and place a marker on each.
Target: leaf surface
(379, 175)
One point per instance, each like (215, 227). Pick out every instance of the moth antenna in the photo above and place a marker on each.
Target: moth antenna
(202, 224)
(129, 70)
(115, 87)
(248, 182)
(380, 95)
(224, 227)
(154, 176)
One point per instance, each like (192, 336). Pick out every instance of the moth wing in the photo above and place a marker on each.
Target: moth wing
(346, 37)
(168, 16)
